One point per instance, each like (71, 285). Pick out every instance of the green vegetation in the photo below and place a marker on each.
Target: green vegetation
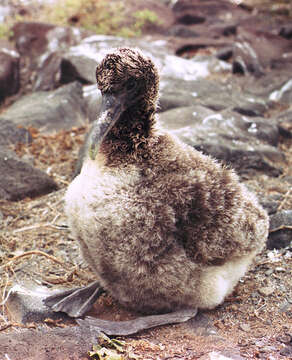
(103, 17)
(144, 18)
(5, 31)
(99, 16)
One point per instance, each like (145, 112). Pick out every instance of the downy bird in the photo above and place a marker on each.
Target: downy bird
(165, 228)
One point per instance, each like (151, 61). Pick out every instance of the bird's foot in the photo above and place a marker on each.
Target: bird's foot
(141, 323)
(75, 302)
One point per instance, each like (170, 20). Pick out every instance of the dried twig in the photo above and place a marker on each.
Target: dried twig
(256, 311)
(286, 196)
(35, 252)
(6, 326)
(281, 227)
(37, 226)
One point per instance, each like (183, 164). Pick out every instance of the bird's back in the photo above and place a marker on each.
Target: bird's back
(216, 217)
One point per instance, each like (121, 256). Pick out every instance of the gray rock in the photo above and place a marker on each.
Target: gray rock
(284, 93)
(43, 343)
(13, 134)
(19, 179)
(211, 94)
(271, 203)
(9, 70)
(201, 325)
(286, 351)
(266, 87)
(257, 51)
(280, 230)
(246, 144)
(49, 110)
(5, 11)
(92, 98)
(266, 290)
(284, 121)
(42, 45)
(286, 31)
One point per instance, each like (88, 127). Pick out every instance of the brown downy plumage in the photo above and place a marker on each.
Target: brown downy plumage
(163, 226)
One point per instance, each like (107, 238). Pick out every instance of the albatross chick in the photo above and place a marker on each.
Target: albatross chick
(165, 228)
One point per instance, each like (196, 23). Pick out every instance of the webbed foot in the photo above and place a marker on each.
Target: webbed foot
(141, 323)
(75, 302)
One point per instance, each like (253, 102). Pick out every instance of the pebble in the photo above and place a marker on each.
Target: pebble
(287, 351)
(280, 269)
(285, 339)
(266, 290)
(244, 327)
(269, 272)
(243, 342)
(267, 348)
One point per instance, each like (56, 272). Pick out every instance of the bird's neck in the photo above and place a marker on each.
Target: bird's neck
(128, 140)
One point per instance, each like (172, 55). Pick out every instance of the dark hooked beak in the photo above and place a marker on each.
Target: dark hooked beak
(111, 109)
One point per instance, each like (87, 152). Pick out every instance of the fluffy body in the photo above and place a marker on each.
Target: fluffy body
(165, 230)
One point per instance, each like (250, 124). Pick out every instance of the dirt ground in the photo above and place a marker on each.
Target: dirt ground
(36, 246)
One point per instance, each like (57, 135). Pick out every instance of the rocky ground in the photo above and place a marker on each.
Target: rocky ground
(231, 104)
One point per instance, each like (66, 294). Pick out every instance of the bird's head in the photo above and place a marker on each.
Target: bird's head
(128, 82)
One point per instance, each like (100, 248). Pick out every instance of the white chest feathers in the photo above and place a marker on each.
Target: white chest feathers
(96, 186)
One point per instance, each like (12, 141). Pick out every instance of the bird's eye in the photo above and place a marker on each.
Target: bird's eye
(131, 83)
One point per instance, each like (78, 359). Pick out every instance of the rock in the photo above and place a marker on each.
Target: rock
(245, 60)
(11, 134)
(280, 230)
(284, 94)
(286, 31)
(285, 338)
(42, 44)
(222, 355)
(286, 351)
(182, 31)
(194, 12)
(285, 307)
(19, 179)
(49, 111)
(271, 203)
(201, 325)
(211, 94)
(92, 98)
(244, 143)
(284, 121)
(5, 11)
(257, 51)
(25, 304)
(266, 290)
(225, 53)
(9, 70)
(244, 327)
(43, 343)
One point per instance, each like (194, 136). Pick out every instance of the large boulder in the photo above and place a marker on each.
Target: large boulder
(246, 143)
(214, 95)
(49, 111)
(42, 45)
(258, 51)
